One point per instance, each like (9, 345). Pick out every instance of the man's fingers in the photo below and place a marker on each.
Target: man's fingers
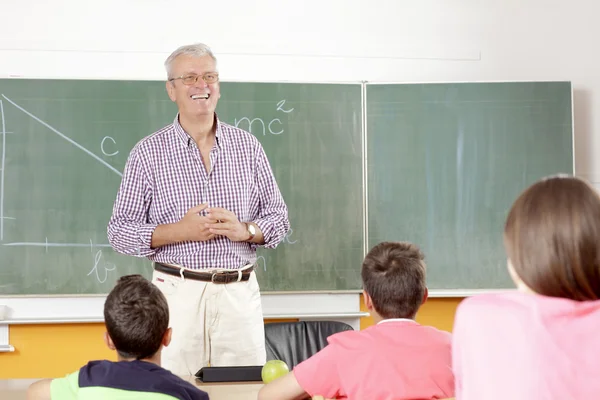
(197, 209)
(220, 218)
(208, 220)
(228, 226)
(218, 209)
(221, 214)
(219, 229)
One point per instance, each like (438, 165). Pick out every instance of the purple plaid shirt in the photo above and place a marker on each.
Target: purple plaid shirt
(164, 177)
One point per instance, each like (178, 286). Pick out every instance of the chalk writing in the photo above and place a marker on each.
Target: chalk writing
(101, 268)
(258, 126)
(114, 153)
(280, 107)
(287, 238)
(271, 129)
(260, 260)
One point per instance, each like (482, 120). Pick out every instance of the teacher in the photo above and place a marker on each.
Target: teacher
(197, 198)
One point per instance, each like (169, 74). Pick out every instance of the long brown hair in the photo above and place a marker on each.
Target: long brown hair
(552, 238)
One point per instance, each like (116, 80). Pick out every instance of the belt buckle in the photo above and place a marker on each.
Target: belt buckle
(227, 277)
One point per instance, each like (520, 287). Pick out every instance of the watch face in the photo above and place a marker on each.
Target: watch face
(251, 229)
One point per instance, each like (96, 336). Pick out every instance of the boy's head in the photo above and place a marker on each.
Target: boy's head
(137, 318)
(393, 275)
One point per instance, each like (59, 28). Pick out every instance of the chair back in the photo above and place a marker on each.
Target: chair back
(294, 342)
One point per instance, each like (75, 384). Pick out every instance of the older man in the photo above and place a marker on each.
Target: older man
(197, 198)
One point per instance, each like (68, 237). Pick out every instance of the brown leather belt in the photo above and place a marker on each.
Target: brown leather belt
(214, 277)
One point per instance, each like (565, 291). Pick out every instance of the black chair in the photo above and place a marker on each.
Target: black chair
(294, 342)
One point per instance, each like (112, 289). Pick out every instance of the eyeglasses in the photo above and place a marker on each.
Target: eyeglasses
(209, 77)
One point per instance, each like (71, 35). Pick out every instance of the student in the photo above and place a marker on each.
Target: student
(395, 359)
(541, 341)
(137, 318)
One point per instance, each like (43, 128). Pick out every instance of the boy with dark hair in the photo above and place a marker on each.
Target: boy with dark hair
(137, 327)
(395, 359)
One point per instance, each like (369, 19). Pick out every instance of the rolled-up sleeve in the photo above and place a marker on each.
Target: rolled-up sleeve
(272, 217)
(128, 229)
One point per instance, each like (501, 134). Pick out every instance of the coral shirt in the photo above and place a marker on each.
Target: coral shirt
(395, 359)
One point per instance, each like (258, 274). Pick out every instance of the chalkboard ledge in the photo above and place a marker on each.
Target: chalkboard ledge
(30, 321)
(89, 309)
(445, 293)
(6, 348)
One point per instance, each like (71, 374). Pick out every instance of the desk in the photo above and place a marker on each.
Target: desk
(15, 389)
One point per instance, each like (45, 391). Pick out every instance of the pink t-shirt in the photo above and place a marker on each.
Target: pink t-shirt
(395, 359)
(522, 346)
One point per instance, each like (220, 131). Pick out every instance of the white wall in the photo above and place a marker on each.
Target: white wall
(326, 40)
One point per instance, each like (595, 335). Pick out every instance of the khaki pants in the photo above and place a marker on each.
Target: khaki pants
(213, 324)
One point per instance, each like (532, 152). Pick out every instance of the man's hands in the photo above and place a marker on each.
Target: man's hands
(199, 228)
(225, 223)
(194, 227)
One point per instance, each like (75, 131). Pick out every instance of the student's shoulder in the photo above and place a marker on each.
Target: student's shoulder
(492, 305)
(65, 387)
(434, 334)
(138, 376)
(187, 389)
(350, 339)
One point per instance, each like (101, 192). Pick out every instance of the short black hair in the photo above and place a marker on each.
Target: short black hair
(393, 274)
(136, 315)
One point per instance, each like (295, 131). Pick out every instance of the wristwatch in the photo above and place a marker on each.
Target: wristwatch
(251, 231)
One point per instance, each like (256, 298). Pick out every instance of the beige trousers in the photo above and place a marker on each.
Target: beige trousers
(213, 324)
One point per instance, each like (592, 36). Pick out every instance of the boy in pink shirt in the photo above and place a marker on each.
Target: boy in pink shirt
(395, 359)
(540, 342)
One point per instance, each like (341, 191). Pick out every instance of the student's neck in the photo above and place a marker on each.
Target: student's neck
(378, 318)
(200, 128)
(155, 359)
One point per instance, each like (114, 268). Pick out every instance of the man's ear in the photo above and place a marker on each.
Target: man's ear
(425, 295)
(166, 340)
(108, 341)
(170, 90)
(368, 301)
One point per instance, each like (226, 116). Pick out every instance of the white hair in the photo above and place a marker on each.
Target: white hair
(194, 50)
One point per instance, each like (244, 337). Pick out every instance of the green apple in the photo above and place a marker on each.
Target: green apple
(273, 369)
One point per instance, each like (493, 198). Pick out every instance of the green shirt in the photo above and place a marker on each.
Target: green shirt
(124, 380)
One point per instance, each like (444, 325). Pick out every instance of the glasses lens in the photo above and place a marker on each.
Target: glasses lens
(211, 78)
(189, 79)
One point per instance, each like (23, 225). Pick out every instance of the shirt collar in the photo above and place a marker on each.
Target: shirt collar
(397, 320)
(220, 136)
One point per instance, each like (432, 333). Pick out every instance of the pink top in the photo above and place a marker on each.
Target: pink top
(395, 359)
(522, 346)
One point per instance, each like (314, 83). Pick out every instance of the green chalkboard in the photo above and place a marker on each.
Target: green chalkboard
(446, 161)
(64, 144)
